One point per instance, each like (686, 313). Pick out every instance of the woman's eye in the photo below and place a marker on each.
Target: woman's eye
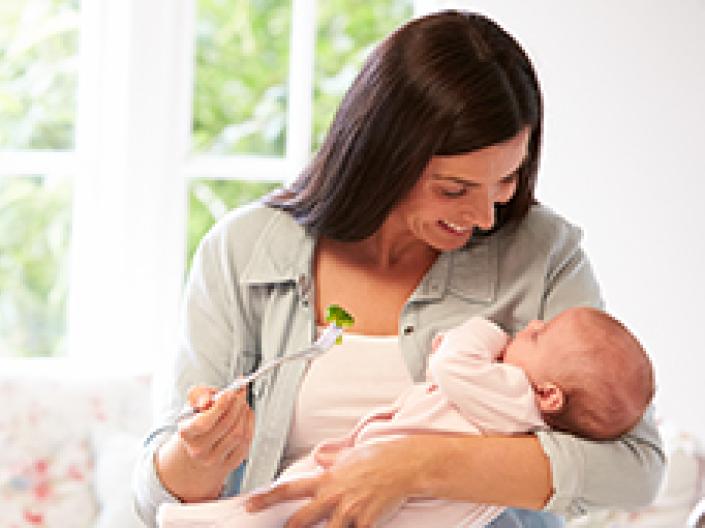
(510, 179)
(453, 194)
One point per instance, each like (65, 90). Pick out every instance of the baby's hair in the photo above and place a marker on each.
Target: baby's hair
(607, 378)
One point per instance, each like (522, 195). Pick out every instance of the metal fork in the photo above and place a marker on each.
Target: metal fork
(325, 341)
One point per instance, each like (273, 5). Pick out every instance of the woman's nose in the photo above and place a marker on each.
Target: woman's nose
(480, 215)
(486, 217)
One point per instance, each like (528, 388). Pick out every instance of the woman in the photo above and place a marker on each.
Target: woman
(417, 212)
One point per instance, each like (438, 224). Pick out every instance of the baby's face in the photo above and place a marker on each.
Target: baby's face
(538, 348)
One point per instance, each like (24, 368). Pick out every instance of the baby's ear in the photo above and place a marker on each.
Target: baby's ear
(436, 342)
(550, 397)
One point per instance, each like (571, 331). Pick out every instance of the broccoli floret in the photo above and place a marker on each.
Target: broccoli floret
(340, 317)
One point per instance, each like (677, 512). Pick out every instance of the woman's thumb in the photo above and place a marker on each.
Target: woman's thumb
(200, 397)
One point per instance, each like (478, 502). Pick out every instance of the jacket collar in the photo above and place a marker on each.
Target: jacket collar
(284, 253)
(470, 272)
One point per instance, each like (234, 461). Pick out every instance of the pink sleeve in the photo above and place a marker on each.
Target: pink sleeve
(493, 396)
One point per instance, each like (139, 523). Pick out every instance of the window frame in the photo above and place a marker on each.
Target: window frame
(121, 108)
(131, 166)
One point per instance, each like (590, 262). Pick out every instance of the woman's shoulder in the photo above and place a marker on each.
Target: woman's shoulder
(244, 231)
(545, 230)
(247, 224)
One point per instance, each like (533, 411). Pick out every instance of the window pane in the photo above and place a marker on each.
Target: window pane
(210, 199)
(35, 218)
(38, 49)
(240, 98)
(347, 31)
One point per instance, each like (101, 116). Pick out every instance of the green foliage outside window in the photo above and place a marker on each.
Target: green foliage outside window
(208, 200)
(240, 107)
(242, 65)
(38, 76)
(254, 65)
(35, 222)
(38, 54)
(347, 31)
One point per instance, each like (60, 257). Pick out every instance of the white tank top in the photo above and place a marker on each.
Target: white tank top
(342, 386)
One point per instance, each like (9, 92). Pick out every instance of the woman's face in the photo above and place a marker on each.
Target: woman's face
(458, 193)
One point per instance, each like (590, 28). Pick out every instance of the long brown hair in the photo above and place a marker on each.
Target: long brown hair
(448, 83)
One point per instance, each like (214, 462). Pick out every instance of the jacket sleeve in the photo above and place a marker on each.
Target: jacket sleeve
(625, 473)
(494, 397)
(210, 335)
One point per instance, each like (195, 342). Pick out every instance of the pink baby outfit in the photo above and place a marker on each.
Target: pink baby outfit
(466, 391)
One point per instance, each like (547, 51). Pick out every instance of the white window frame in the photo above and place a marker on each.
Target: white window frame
(131, 167)
(133, 143)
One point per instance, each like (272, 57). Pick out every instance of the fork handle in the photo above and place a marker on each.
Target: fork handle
(326, 340)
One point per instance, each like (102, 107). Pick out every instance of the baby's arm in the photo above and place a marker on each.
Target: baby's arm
(493, 396)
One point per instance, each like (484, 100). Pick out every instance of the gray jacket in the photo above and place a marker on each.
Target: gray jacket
(248, 299)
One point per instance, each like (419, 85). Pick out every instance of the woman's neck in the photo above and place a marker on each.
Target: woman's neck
(392, 247)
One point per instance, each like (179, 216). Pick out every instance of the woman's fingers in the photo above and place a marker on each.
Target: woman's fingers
(234, 436)
(312, 513)
(205, 421)
(343, 516)
(201, 396)
(371, 515)
(238, 453)
(212, 435)
(287, 490)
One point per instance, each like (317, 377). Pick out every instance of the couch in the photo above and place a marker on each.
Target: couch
(70, 436)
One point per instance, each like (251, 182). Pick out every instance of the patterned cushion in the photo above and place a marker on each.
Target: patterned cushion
(683, 485)
(47, 455)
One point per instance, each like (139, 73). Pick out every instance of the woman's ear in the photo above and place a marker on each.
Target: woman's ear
(550, 397)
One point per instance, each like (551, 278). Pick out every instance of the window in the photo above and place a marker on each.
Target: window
(244, 89)
(127, 128)
(38, 80)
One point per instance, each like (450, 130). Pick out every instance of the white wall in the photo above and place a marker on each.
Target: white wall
(624, 158)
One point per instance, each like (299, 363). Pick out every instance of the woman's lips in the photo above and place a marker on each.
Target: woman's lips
(454, 229)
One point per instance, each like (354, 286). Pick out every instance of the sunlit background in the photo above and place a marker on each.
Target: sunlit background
(128, 127)
(240, 100)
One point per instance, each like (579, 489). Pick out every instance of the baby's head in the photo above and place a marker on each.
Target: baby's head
(590, 374)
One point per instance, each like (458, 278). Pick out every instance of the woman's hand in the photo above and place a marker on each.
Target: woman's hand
(194, 463)
(220, 434)
(366, 484)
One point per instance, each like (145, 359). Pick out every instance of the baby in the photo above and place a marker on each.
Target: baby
(582, 372)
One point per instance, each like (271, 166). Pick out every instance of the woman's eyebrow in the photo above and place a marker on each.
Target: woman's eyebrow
(455, 179)
(463, 181)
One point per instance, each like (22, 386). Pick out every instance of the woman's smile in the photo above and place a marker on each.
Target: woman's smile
(454, 229)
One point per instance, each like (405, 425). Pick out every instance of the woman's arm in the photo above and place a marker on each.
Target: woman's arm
(373, 480)
(552, 470)
(625, 473)
(504, 470)
(566, 474)
(622, 474)
(193, 464)
(561, 472)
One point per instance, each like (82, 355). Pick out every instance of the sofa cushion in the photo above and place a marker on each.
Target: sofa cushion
(47, 460)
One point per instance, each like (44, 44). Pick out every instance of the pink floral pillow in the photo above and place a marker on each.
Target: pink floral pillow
(47, 458)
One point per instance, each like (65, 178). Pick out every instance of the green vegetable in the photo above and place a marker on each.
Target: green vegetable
(340, 317)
